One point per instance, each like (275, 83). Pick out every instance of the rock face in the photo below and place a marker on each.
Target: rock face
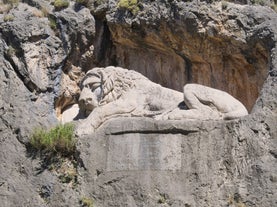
(181, 43)
(44, 53)
(182, 163)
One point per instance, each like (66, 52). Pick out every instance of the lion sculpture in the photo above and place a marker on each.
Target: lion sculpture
(113, 91)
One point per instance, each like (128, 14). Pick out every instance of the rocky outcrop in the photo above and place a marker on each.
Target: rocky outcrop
(34, 56)
(220, 46)
(44, 54)
(141, 162)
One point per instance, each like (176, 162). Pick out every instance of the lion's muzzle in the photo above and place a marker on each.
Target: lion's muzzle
(88, 100)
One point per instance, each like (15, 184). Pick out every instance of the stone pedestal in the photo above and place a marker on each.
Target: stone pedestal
(142, 162)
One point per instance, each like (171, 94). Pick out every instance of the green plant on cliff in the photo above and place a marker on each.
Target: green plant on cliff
(86, 202)
(130, 5)
(11, 2)
(59, 139)
(235, 201)
(260, 2)
(8, 18)
(52, 23)
(274, 6)
(60, 4)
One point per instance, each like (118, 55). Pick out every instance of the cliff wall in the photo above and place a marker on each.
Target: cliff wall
(44, 53)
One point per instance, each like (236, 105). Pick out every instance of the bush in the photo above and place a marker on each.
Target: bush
(59, 139)
(260, 2)
(60, 4)
(274, 7)
(52, 23)
(8, 18)
(86, 202)
(11, 2)
(131, 5)
(10, 51)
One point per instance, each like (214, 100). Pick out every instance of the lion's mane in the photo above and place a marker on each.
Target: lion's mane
(115, 81)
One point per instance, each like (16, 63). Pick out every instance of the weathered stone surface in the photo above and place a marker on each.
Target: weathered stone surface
(177, 42)
(222, 163)
(32, 61)
(32, 48)
(115, 92)
(208, 164)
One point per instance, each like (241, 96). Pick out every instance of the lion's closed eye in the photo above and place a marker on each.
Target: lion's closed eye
(93, 86)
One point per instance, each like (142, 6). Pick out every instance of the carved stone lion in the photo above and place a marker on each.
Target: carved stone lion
(112, 91)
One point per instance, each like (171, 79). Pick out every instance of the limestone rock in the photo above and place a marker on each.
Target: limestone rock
(230, 47)
(141, 162)
(32, 60)
(113, 92)
(225, 48)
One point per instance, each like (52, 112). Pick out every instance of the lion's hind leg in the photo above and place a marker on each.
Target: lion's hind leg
(190, 98)
(235, 114)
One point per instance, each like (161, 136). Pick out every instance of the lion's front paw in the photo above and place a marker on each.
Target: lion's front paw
(161, 117)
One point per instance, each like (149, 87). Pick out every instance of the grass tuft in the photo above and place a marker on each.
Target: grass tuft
(130, 5)
(61, 4)
(58, 140)
(8, 18)
(86, 202)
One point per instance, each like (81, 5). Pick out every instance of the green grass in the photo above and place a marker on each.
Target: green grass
(274, 6)
(86, 202)
(131, 5)
(11, 2)
(60, 4)
(52, 23)
(8, 18)
(58, 140)
(260, 2)
(10, 51)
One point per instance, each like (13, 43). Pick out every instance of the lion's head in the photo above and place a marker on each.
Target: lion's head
(104, 85)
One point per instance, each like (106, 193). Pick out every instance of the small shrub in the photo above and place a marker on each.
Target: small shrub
(11, 2)
(234, 201)
(274, 7)
(260, 2)
(86, 202)
(60, 4)
(162, 200)
(67, 172)
(10, 50)
(59, 139)
(131, 5)
(8, 18)
(52, 23)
